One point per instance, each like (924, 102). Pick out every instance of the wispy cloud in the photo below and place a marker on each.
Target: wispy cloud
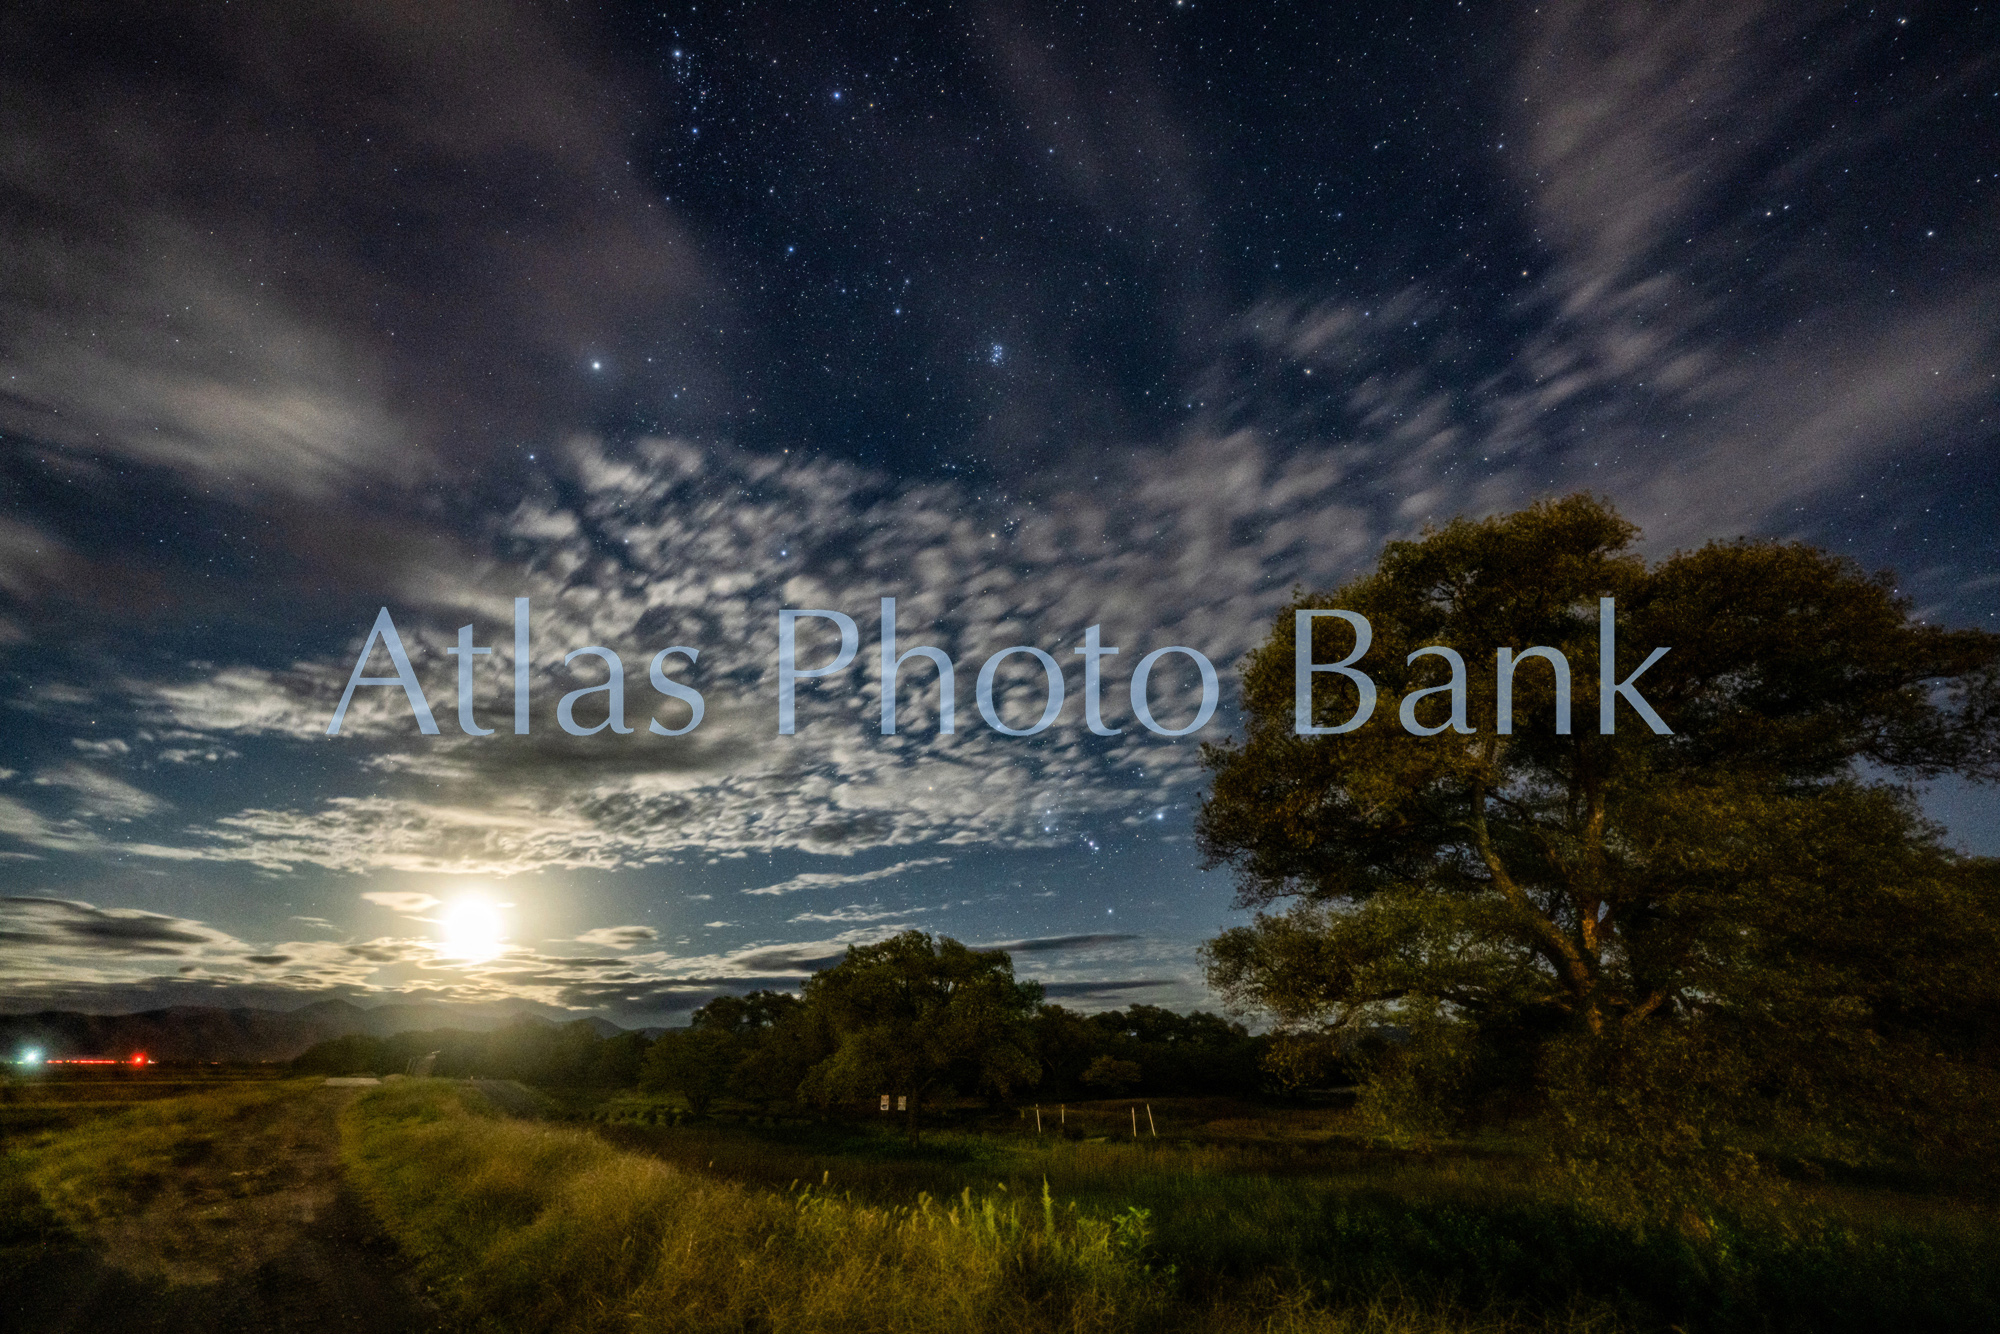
(155, 309)
(402, 901)
(618, 937)
(1046, 944)
(835, 879)
(1188, 553)
(859, 912)
(1663, 158)
(99, 795)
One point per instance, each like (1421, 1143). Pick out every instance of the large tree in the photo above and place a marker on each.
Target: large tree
(917, 1017)
(1519, 896)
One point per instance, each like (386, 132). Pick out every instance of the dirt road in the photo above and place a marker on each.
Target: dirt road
(260, 1234)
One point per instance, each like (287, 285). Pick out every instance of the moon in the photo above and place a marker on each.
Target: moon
(473, 930)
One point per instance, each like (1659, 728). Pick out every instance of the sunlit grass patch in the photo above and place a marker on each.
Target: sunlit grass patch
(548, 1227)
(110, 1166)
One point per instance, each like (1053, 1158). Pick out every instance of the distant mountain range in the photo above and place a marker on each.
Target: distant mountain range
(209, 1033)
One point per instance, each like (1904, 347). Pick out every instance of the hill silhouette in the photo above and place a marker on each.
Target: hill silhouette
(214, 1033)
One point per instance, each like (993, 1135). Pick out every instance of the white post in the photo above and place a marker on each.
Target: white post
(1135, 1123)
(1038, 1118)
(1149, 1121)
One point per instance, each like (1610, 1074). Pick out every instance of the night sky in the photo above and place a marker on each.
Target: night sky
(1032, 318)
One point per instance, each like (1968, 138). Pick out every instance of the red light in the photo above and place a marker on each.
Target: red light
(139, 1059)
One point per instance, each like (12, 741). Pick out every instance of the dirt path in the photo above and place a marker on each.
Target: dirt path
(258, 1233)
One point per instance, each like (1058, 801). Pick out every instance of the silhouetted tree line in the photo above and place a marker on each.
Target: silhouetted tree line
(929, 1020)
(531, 1051)
(923, 1019)
(1144, 1049)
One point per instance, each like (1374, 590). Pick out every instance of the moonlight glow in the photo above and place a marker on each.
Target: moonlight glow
(474, 930)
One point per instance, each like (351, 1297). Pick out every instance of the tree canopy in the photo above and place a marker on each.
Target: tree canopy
(1753, 878)
(915, 1016)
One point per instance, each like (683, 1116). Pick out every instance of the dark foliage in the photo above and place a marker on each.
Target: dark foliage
(1681, 947)
(726, 1049)
(528, 1050)
(1174, 1054)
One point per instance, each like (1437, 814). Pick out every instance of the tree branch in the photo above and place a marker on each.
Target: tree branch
(1560, 951)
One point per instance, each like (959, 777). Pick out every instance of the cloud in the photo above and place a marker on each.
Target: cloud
(195, 755)
(1187, 553)
(1113, 990)
(831, 879)
(1045, 944)
(1193, 539)
(795, 960)
(58, 947)
(1658, 146)
(252, 701)
(155, 307)
(29, 826)
(32, 561)
(53, 945)
(402, 901)
(100, 796)
(769, 961)
(66, 924)
(856, 912)
(618, 937)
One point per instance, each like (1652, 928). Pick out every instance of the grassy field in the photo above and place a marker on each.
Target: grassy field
(86, 1157)
(1238, 1218)
(539, 1227)
(53, 1104)
(189, 1204)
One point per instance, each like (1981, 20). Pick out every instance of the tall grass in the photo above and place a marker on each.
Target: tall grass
(537, 1227)
(549, 1227)
(1324, 1231)
(110, 1166)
